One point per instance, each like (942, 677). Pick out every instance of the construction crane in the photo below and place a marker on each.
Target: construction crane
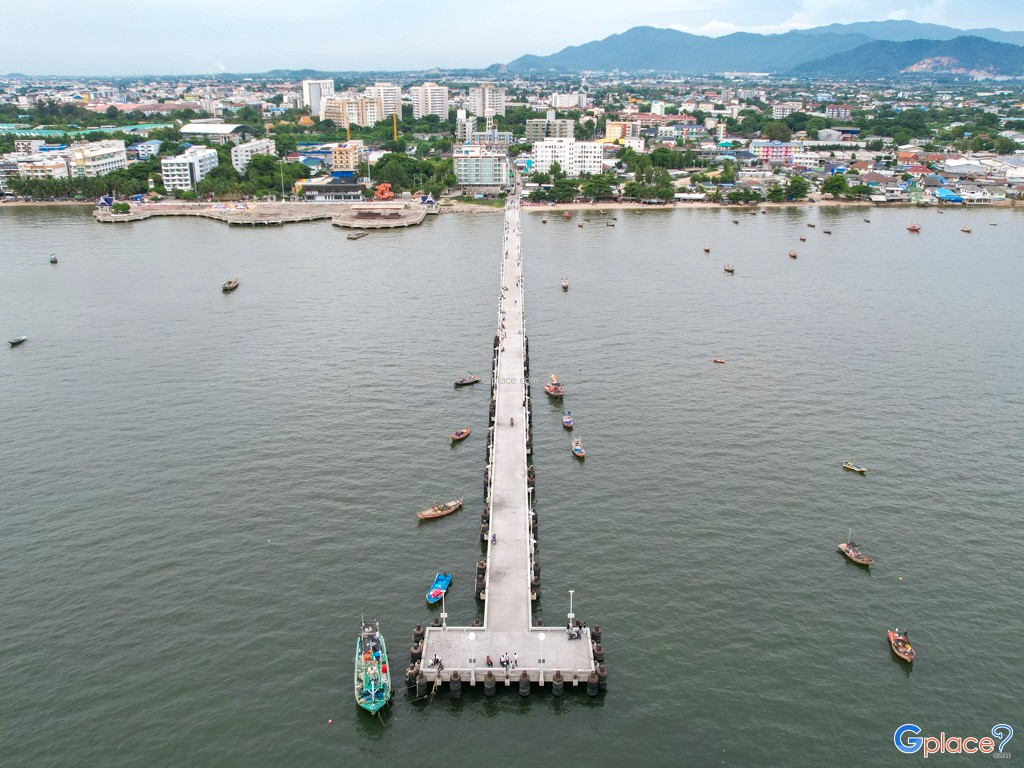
(394, 125)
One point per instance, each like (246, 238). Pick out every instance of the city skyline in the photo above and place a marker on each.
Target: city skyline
(198, 38)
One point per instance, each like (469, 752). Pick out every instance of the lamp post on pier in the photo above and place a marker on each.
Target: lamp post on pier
(444, 615)
(571, 614)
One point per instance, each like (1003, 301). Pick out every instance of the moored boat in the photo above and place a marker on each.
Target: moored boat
(735, 221)
(372, 677)
(867, 221)
(707, 248)
(566, 215)
(965, 230)
(913, 228)
(851, 550)
(899, 641)
(460, 434)
(729, 268)
(439, 587)
(610, 224)
(230, 285)
(718, 360)
(554, 389)
(18, 341)
(357, 235)
(826, 231)
(467, 380)
(854, 467)
(803, 239)
(440, 510)
(812, 226)
(577, 448)
(565, 283)
(792, 254)
(567, 419)
(53, 258)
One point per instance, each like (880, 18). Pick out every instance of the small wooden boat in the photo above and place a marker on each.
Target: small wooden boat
(567, 419)
(913, 228)
(580, 226)
(460, 434)
(609, 224)
(554, 389)
(735, 221)
(53, 258)
(718, 360)
(707, 249)
(867, 221)
(803, 239)
(439, 587)
(812, 226)
(372, 678)
(577, 448)
(471, 379)
(565, 283)
(792, 254)
(854, 468)
(965, 230)
(900, 643)
(18, 341)
(940, 211)
(543, 221)
(586, 219)
(440, 510)
(826, 231)
(566, 215)
(357, 235)
(851, 550)
(729, 269)
(230, 285)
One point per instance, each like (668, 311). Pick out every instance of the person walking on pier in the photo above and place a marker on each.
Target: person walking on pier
(515, 660)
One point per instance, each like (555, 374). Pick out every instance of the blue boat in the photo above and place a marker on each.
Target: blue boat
(439, 587)
(567, 419)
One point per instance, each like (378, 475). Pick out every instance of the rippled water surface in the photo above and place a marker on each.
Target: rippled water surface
(200, 493)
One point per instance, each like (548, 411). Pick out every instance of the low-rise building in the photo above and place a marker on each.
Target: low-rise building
(773, 151)
(241, 154)
(347, 157)
(218, 133)
(96, 158)
(189, 168)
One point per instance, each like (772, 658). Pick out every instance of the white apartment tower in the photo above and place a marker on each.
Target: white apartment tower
(314, 93)
(485, 99)
(390, 97)
(351, 108)
(429, 99)
(574, 157)
(241, 154)
(189, 168)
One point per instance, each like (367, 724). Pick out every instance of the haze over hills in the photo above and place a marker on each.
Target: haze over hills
(840, 50)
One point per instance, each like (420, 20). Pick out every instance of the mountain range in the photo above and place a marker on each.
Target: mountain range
(863, 49)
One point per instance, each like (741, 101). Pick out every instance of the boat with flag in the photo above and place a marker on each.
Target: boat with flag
(567, 419)
(372, 678)
(554, 388)
(440, 510)
(851, 550)
(439, 587)
(899, 641)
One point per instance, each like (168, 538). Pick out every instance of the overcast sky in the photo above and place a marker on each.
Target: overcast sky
(200, 36)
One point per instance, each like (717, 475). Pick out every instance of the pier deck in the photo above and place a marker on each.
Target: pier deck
(508, 594)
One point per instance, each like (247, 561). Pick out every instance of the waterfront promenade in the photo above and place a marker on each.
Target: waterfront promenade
(508, 580)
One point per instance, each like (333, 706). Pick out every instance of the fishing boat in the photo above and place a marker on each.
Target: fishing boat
(826, 231)
(965, 230)
(867, 221)
(467, 380)
(566, 215)
(851, 550)
(577, 448)
(609, 223)
(854, 468)
(357, 235)
(580, 226)
(440, 510)
(792, 254)
(565, 283)
(729, 268)
(18, 341)
(718, 360)
(230, 285)
(53, 258)
(812, 226)
(913, 228)
(900, 643)
(735, 221)
(707, 249)
(567, 419)
(460, 434)
(543, 221)
(554, 388)
(372, 678)
(439, 587)
(803, 239)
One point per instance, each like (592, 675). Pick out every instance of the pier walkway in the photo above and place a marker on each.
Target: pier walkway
(508, 580)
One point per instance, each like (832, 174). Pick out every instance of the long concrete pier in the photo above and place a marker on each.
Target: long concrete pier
(509, 579)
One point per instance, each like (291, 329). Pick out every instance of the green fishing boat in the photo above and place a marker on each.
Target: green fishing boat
(372, 678)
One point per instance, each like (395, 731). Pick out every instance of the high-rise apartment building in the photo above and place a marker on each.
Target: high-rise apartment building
(314, 93)
(574, 157)
(481, 169)
(429, 99)
(486, 99)
(549, 128)
(95, 158)
(390, 97)
(243, 153)
(351, 108)
(189, 168)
